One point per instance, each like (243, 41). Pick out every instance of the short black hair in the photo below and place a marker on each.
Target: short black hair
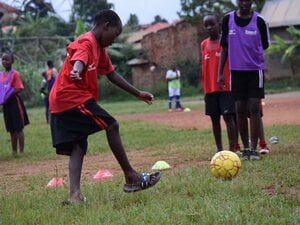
(50, 63)
(10, 54)
(213, 15)
(107, 15)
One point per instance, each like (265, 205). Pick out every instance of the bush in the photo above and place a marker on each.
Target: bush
(31, 77)
(190, 72)
(110, 92)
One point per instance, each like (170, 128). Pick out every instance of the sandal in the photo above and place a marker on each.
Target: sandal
(145, 182)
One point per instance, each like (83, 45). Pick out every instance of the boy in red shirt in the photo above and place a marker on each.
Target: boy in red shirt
(217, 97)
(48, 80)
(75, 113)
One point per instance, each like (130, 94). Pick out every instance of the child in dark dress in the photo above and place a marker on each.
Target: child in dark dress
(15, 115)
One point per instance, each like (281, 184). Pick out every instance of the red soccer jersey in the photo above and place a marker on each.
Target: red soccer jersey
(50, 73)
(15, 79)
(66, 93)
(211, 51)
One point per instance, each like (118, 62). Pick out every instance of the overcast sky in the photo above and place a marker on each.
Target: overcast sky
(145, 10)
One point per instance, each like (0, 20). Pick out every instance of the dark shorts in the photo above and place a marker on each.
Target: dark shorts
(247, 84)
(75, 125)
(219, 103)
(15, 115)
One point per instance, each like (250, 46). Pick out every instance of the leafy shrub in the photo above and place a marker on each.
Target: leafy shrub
(190, 72)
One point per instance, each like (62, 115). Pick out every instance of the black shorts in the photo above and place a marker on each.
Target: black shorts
(15, 115)
(219, 103)
(247, 84)
(75, 125)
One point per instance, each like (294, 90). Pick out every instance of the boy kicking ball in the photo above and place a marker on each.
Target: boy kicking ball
(75, 113)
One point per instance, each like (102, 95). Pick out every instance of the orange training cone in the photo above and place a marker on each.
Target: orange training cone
(102, 174)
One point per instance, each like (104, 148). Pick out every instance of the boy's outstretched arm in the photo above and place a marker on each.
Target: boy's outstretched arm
(119, 81)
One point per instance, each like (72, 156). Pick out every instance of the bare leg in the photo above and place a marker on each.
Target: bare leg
(21, 141)
(47, 115)
(115, 143)
(261, 135)
(75, 168)
(255, 121)
(242, 121)
(231, 130)
(14, 142)
(216, 127)
(237, 146)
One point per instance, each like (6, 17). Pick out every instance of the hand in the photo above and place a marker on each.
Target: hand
(75, 75)
(146, 97)
(220, 81)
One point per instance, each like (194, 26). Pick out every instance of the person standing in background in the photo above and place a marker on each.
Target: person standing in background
(244, 38)
(14, 111)
(218, 101)
(49, 77)
(173, 79)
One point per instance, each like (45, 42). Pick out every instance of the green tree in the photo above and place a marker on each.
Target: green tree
(133, 21)
(28, 26)
(37, 40)
(80, 28)
(289, 50)
(87, 9)
(37, 8)
(158, 19)
(259, 4)
(194, 10)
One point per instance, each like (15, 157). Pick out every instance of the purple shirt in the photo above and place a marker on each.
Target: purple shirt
(245, 49)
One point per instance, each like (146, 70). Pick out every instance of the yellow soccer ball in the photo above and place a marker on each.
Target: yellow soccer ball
(225, 164)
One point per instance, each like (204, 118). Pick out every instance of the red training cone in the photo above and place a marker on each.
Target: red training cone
(102, 174)
(55, 182)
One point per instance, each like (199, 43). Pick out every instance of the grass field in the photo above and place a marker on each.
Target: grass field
(265, 192)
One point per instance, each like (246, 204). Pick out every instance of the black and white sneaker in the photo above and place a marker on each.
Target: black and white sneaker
(254, 155)
(245, 155)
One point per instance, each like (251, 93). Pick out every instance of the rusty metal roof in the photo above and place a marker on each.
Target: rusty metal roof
(280, 13)
(138, 36)
(7, 8)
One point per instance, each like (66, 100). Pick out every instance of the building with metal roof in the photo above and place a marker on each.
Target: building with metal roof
(281, 13)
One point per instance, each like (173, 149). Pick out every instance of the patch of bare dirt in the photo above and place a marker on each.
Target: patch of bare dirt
(278, 109)
(291, 191)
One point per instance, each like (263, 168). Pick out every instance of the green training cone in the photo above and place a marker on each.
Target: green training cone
(161, 165)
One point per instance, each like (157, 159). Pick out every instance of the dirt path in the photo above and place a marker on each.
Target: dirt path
(279, 109)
